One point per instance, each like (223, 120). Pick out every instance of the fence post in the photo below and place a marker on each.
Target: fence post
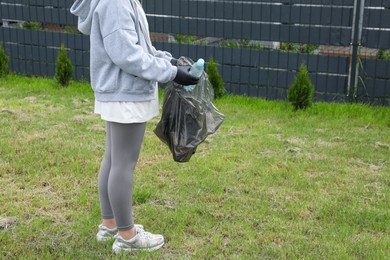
(357, 27)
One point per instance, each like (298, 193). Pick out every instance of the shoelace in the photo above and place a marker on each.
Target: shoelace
(145, 234)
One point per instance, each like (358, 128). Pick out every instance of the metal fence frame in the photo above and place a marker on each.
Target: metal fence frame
(256, 72)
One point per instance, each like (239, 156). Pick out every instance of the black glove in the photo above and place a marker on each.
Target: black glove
(174, 61)
(183, 77)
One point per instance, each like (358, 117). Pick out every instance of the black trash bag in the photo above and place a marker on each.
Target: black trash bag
(187, 117)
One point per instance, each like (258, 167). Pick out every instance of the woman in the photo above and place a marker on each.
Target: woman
(125, 69)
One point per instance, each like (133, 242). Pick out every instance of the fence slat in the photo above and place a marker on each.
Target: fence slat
(46, 38)
(253, 12)
(288, 2)
(45, 54)
(266, 58)
(376, 39)
(378, 3)
(47, 3)
(265, 32)
(376, 18)
(37, 14)
(374, 68)
(375, 88)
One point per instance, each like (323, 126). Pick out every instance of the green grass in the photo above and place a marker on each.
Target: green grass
(271, 183)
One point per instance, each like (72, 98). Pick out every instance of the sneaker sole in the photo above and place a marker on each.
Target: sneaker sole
(118, 250)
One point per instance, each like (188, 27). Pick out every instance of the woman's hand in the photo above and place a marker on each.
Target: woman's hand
(183, 77)
(174, 61)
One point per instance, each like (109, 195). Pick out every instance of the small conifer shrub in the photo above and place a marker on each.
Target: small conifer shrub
(3, 63)
(215, 79)
(64, 68)
(300, 93)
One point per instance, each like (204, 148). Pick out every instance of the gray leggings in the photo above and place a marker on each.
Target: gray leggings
(123, 145)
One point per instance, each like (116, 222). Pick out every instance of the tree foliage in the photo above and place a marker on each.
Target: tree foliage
(215, 79)
(64, 68)
(300, 93)
(3, 63)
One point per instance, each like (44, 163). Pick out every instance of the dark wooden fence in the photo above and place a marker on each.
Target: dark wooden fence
(254, 71)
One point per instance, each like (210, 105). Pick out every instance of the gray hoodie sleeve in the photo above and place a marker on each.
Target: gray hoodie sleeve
(122, 49)
(120, 42)
(162, 54)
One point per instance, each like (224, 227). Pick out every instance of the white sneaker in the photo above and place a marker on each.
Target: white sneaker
(106, 233)
(143, 240)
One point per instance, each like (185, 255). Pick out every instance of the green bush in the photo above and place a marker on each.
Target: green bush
(32, 25)
(245, 43)
(230, 44)
(289, 47)
(383, 54)
(71, 29)
(299, 48)
(300, 93)
(3, 62)
(185, 39)
(64, 68)
(215, 79)
(308, 48)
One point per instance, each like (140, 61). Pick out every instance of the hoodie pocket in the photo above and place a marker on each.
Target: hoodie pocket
(134, 85)
(106, 81)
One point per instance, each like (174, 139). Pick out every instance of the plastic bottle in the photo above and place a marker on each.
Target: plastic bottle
(196, 70)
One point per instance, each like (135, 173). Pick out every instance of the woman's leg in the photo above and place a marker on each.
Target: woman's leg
(104, 172)
(125, 142)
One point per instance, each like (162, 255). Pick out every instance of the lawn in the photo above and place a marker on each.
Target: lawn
(271, 183)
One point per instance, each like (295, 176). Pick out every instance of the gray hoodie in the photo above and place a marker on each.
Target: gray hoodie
(124, 66)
